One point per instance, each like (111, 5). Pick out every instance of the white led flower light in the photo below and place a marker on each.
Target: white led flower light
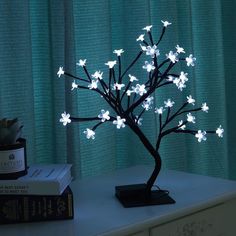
(190, 60)
(93, 84)
(220, 132)
(97, 75)
(205, 108)
(110, 64)
(191, 118)
(90, 134)
(138, 121)
(166, 23)
(74, 85)
(147, 104)
(169, 103)
(81, 63)
(118, 86)
(129, 92)
(104, 115)
(159, 110)
(140, 38)
(139, 89)
(179, 49)
(119, 122)
(152, 51)
(172, 56)
(190, 100)
(60, 72)
(181, 125)
(118, 52)
(65, 118)
(132, 78)
(201, 136)
(149, 66)
(147, 28)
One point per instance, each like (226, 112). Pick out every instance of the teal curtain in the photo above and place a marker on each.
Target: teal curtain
(36, 37)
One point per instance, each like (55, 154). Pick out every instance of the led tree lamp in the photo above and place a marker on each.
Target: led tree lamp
(124, 99)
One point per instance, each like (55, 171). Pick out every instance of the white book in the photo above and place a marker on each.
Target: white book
(41, 179)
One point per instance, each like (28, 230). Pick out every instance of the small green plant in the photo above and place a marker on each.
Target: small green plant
(10, 131)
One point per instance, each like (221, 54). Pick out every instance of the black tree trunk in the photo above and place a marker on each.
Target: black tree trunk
(155, 172)
(142, 194)
(154, 153)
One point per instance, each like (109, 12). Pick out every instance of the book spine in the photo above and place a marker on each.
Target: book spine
(30, 188)
(18, 187)
(31, 208)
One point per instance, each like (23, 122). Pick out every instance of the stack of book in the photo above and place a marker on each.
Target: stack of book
(41, 195)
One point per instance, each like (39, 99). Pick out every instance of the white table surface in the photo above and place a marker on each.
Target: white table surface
(98, 212)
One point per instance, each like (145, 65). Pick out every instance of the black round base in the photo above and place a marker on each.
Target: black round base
(136, 196)
(13, 168)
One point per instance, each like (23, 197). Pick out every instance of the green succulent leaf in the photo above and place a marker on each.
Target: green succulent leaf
(10, 131)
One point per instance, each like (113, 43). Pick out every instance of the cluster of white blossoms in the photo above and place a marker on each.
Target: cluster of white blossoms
(140, 89)
(190, 118)
(104, 116)
(179, 81)
(201, 135)
(151, 51)
(93, 84)
(97, 75)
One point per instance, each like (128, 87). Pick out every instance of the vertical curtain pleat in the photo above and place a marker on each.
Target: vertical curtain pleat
(42, 84)
(16, 79)
(229, 62)
(209, 82)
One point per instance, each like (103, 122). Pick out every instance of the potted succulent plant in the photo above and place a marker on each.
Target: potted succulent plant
(13, 162)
